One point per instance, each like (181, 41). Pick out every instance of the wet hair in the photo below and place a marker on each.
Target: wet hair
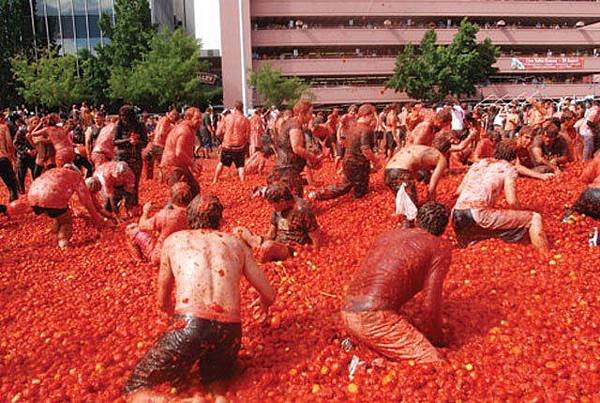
(566, 115)
(441, 143)
(100, 114)
(128, 114)
(366, 109)
(506, 150)
(239, 106)
(433, 218)
(551, 131)
(191, 112)
(278, 192)
(93, 184)
(181, 194)
(205, 212)
(444, 115)
(53, 119)
(301, 107)
(528, 130)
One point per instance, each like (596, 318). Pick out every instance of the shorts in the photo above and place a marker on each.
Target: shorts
(390, 142)
(176, 174)
(395, 177)
(589, 203)
(212, 344)
(508, 225)
(390, 334)
(229, 157)
(50, 212)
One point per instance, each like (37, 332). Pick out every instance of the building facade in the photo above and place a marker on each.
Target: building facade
(184, 15)
(73, 24)
(346, 49)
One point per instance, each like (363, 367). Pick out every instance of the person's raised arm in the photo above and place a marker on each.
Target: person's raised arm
(257, 278)
(165, 282)
(510, 192)
(433, 296)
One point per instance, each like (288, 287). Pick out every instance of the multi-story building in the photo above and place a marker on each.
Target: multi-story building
(73, 24)
(346, 49)
(184, 15)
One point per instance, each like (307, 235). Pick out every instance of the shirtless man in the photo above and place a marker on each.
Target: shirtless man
(178, 162)
(356, 167)
(589, 200)
(292, 223)
(50, 194)
(58, 136)
(7, 160)
(549, 149)
(115, 182)
(402, 169)
(257, 129)
(143, 244)
(400, 264)
(475, 215)
(154, 150)
(104, 149)
(205, 268)
(392, 133)
(290, 149)
(236, 135)
(344, 124)
(425, 132)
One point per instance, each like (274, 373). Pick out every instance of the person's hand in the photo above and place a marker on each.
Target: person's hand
(546, 177)
(147, 208)
(259, 310)
(134, 138)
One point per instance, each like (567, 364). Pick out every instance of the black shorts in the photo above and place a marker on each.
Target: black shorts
(589, 203)
(395, 177)
(229, 157)
(468, 231)
(50, 212)
(390, 142)
(340, 150)
(213, 345)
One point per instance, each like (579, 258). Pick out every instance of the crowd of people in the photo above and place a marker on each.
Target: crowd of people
(101, 159)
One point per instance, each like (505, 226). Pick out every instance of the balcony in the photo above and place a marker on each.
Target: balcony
(385, 65)
(408, 8)
(377, 94)
(394, 37)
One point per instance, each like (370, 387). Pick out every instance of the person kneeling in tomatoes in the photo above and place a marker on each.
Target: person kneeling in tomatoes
(205, 268)
(400, 264)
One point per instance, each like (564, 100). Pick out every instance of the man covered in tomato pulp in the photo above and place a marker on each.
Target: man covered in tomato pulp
(205, 268)
(589, 200)
(475, 216)
(401, 263)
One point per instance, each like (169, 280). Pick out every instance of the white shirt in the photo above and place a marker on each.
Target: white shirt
(458, 118)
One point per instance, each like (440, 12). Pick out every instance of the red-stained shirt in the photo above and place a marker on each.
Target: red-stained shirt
(112, 175)
(163, 128)
(399, 265)
(104, 142)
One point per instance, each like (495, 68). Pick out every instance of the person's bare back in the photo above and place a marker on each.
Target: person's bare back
(207, 267)
(415, 157)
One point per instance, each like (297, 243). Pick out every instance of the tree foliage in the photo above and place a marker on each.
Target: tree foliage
(52, 81)
(168, 73)
(276, 89)
(431, 72)
(16, 39)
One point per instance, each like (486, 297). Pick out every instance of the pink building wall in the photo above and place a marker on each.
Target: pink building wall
(385, 66)
(357, 37)
(299, 8)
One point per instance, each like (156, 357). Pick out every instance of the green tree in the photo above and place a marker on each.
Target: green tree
(276, 89)
(167, 73)
(16, 39)
(431, 72)
(52, 81)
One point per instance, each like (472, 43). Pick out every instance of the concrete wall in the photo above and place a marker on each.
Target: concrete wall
(184, 12)
(162, 13)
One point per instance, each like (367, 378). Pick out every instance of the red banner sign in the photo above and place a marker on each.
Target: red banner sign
(546, 63)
